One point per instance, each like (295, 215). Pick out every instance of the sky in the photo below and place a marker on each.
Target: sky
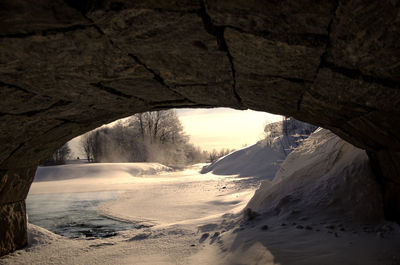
(223, 127)
(217, 128)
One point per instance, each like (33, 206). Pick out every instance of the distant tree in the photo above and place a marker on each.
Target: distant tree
(289, 133)
(224, 152)
(87, 144)
(159, 127)
(60, 156)
(214, 155)
(287, 125)
(194, 154)
(155, 136)
(162, 137)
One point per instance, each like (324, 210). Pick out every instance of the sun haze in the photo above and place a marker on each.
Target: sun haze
(223, 127)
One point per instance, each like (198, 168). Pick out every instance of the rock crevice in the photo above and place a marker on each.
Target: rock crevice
(218, 32)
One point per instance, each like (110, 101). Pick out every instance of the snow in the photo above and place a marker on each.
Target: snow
(289, 245)
(259, 160)
(263, 159)
(93, 177)
(98, 170)
(166, 246)
(179, 205)
(40, 236)
(324, 175)
(182, 197)
(323, 207)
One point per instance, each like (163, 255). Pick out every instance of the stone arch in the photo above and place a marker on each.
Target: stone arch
(69, 66)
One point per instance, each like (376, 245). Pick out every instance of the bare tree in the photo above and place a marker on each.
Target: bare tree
(159, 126)
(141, 124)
(212, 155)
(156, 136)
(87, 144)
(60, 156)
(289, 133)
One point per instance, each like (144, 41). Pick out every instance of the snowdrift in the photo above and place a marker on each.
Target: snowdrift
(97, 170)
(263, 159)
(325, 175)
(258, 160)
(40, 236)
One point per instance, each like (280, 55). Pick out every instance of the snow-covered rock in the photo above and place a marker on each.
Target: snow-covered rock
(325, 176)
(263, 159)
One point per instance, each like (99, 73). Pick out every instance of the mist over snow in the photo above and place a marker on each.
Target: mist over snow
(89, 177)
(98, 171)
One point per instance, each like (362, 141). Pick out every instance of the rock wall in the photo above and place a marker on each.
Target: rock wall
(69, 66)
(13, 226)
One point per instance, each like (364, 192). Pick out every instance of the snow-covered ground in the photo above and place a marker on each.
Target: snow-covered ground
(259, 160)
(323, 207)
(174, 208)
(153, 193)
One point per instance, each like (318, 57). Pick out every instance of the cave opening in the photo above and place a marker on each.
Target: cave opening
(67, 68)
(91, 169)
(108, 200)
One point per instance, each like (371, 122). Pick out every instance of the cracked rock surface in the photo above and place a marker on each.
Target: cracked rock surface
(69, 66)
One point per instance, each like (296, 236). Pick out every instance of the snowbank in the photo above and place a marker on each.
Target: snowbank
(40, 236)
(168, 246)
(259, 160)
(324, 176)
(323, 207)
(263, 159)
(97, 170)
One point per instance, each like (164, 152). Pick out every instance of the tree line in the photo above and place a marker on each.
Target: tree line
(158, 136)
(155, 136)
(59, 156)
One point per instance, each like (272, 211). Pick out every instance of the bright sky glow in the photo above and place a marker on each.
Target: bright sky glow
(223, 127)
(217, 128)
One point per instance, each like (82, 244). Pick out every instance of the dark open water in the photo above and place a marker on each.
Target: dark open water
(74, 215)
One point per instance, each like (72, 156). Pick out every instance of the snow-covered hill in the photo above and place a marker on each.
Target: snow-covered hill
(325, 176)
(263, 159)
(324, 206)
